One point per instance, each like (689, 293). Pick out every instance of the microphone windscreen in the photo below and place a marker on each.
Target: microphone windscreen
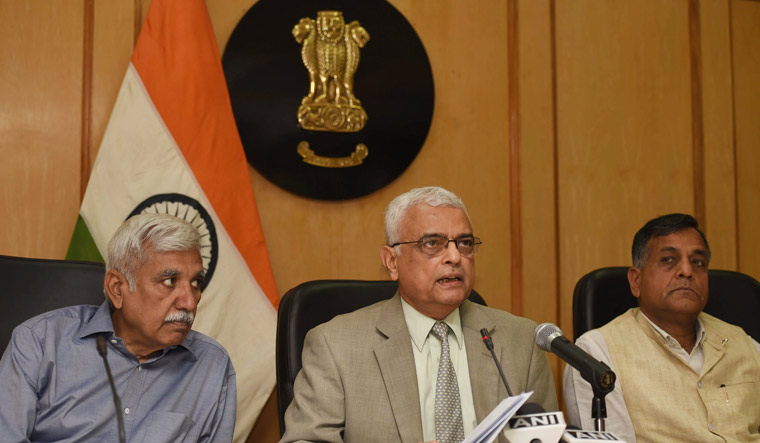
(544, 334)
(530, 408)
(100, 341)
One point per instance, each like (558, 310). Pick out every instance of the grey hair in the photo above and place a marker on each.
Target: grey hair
(430, 195)
(143, 234)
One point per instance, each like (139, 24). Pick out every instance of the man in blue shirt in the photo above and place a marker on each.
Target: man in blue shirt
(175, 384)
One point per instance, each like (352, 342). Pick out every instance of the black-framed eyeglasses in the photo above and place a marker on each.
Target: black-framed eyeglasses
(433, 245)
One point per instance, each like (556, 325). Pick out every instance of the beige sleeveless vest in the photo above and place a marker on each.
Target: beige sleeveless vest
(668, 401)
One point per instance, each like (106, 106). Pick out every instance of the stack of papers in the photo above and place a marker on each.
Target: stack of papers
(489, 428)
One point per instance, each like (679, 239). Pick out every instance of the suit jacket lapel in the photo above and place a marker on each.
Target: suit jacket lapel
(484, 377)
(396, 361)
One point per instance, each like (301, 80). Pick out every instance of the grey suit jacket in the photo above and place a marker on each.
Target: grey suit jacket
(359, 384)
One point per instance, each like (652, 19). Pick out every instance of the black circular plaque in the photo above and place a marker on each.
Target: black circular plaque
(267, 80)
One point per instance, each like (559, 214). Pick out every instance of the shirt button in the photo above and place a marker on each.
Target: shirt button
(126, 411)
(113, 341)
(712, 428)
(139, 368)
(699, 384)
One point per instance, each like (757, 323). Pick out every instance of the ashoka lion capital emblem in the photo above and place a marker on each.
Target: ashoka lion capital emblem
(330, 52)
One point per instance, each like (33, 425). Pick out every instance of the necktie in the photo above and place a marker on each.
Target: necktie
(448, 408)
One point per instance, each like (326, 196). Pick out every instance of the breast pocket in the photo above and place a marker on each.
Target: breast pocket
(738, 405)
(169, 427)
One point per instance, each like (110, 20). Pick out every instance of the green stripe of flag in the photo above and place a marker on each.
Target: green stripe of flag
(82, 246)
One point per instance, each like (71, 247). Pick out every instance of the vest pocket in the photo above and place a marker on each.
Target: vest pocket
(736, 406)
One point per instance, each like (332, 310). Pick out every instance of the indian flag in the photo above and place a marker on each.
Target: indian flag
(171, 145)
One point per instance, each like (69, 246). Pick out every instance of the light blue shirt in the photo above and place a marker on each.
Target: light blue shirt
(53, 385)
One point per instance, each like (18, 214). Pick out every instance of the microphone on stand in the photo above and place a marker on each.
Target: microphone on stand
(102, 350)
(531, 423)
(550, 338)
(601, 378)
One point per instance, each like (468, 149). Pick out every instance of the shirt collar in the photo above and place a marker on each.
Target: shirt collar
(672, 342)
(101, 322)
(419, 325)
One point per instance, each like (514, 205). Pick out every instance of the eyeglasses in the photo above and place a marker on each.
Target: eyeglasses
(433, 245)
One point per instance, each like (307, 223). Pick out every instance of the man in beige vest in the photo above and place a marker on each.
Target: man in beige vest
(414, 368)
(683, 375)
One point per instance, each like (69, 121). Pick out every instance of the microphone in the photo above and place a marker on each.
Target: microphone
(489, 344)
(576, 435)
(100, 341)
(550, 338)
(531, 424)
(530, 408)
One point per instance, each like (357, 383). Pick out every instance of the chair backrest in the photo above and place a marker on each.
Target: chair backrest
(32, 286)
(311, 304)
(603, 294)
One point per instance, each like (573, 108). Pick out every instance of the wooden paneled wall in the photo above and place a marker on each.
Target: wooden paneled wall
(563, 124)
(40, 124)
(745, 26)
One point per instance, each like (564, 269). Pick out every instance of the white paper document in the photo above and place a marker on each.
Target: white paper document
(489, 428)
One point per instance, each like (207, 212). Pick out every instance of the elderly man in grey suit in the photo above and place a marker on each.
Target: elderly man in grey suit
(414, 368)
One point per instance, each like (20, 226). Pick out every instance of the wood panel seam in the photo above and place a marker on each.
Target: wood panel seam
(733, 134)
(137, 21)
(87, 65)
(515, 209)
(555, 159)
(697, 121)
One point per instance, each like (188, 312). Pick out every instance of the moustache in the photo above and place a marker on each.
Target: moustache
(180, 316)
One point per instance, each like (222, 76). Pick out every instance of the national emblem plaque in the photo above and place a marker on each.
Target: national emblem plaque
(312, 120)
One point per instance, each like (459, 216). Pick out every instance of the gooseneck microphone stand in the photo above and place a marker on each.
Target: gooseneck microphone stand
(102, 350)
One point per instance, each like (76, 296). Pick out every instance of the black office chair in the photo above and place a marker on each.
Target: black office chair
(32, 286)
(311, 304)
(603, 294)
